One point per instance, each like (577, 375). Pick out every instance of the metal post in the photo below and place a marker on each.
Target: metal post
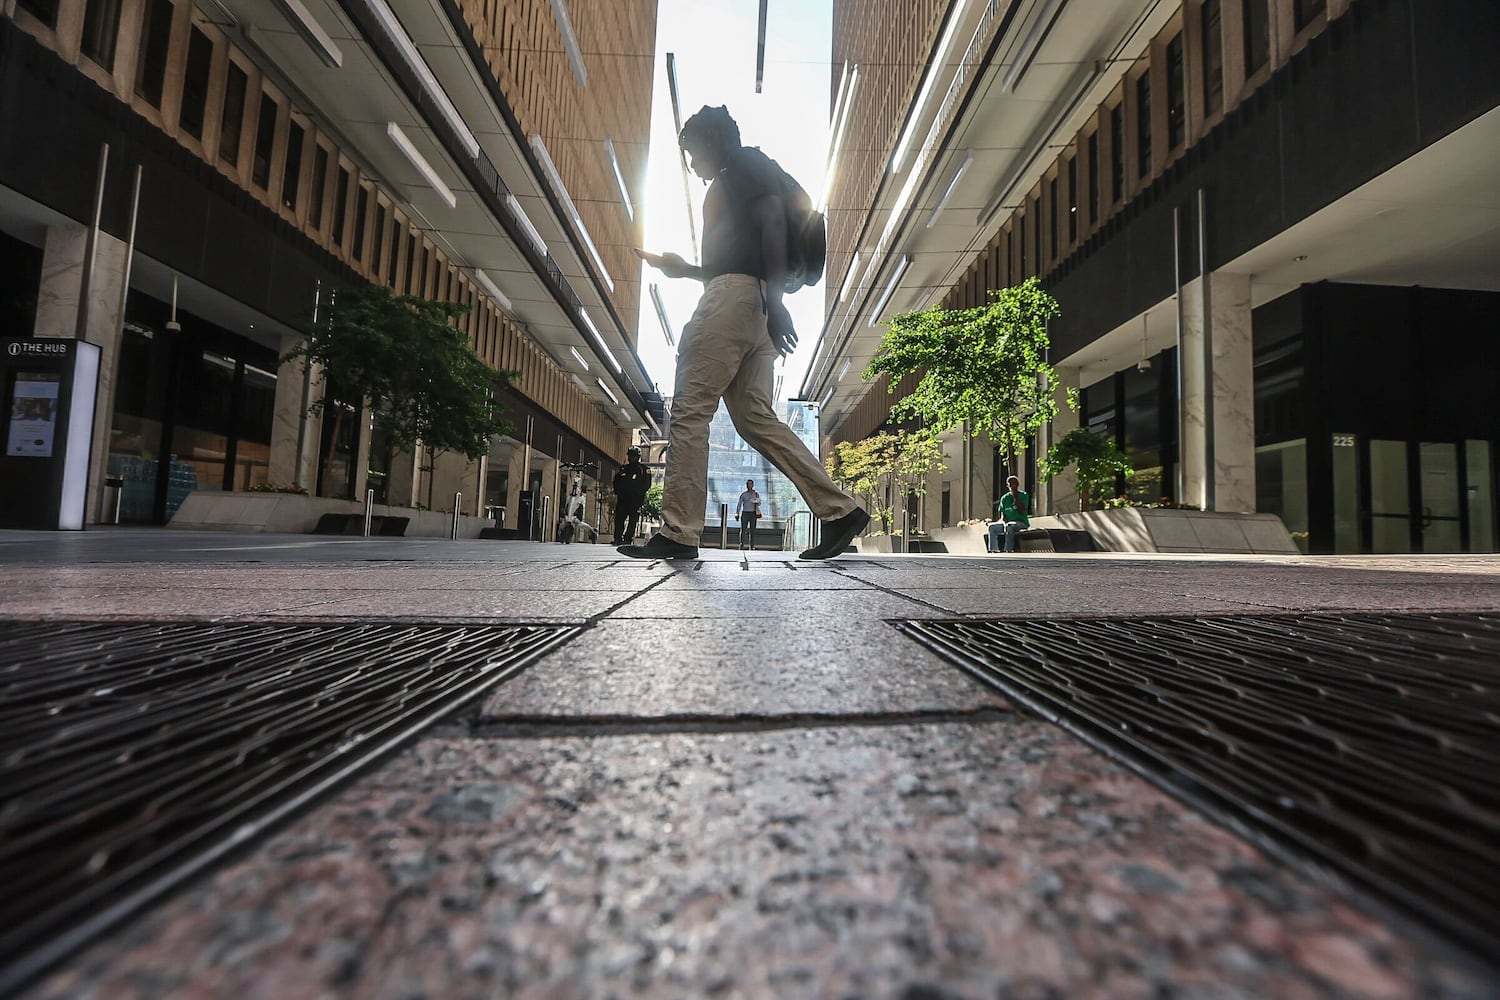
(546, 518)
(723, 526)
(1181, 476)
(458, 500)
(369, 510)
(1209, 471)
(91, 241)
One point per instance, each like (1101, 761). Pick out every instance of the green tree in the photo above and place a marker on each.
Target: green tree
(652, 506)
(986, 366)
(884, 467)
(1098, 458)
(403, 355)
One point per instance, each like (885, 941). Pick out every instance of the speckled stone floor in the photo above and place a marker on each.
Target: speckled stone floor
(738, 781)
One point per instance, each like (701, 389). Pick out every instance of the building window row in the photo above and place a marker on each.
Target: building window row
(178, 70)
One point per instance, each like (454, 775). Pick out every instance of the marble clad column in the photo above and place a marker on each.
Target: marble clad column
(1233, 394)
(551, 470)
(57, 316)
(1060, 494)
(516, 482)
(287, 422)
(361, 468)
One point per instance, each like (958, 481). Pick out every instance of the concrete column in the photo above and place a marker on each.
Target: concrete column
(982, 477)
(1060, 495)
(551, 476)
(289, 420)
(515, 483)
(57, 316)
(360, 474)
(1232, 376)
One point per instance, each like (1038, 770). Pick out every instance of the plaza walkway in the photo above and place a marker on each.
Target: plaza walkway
(746, 777)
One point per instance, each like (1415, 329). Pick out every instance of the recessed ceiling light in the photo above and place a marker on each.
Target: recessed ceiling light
(1299, 258)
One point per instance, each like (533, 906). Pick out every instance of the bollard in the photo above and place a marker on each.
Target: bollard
(369, 510)
(458, 502)
(114, 490)
(723, 526)
(541, 534)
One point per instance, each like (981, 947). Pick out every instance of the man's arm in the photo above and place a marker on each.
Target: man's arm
(670, 264)
(771, 215)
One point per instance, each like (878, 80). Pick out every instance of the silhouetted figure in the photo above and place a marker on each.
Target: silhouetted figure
(631, 484)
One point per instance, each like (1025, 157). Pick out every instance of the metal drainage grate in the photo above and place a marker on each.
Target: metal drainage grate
(1367, 745)
(132, 756)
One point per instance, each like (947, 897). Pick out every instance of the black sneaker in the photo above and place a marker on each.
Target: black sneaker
(837, 534)
(659, 546)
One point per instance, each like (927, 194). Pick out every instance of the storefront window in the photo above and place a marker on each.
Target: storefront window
(1281, 485)
(1345, 493)
(1479, 477)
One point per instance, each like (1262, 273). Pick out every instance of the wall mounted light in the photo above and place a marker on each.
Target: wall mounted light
(311, 32)
(570, 42)
(958, 175)
(417, 160)
(612, 397)
(890, 289)
(578, 357)
(934, 70)
(614, 165)
(501, 299)
(540, 148)
(418, 65)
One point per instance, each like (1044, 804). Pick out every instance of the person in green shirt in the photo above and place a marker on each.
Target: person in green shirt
(1013, 509)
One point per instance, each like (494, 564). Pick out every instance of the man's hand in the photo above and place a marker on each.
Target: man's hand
(669, 264)
(783, 333)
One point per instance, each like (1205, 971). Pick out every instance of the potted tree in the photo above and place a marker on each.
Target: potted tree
(1098, 459)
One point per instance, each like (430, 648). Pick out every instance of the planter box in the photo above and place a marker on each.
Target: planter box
(288, 513)
(1147, 529)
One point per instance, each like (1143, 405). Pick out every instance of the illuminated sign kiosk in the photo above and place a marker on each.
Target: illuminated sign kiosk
(48, 427)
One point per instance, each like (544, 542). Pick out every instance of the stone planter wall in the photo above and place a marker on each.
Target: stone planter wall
(1146, 529)
(288, 513)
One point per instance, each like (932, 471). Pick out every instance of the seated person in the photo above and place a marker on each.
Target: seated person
(1014, 509)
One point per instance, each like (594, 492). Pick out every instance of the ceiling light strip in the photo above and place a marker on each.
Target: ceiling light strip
(501, 299)
(929, 79)
(958, 175)
(612, 397)
(605, 352)
(408, 50)
(614, 165)
(579, 357)
(516, 210)
(312, 33)
(417, 160)
(890, 289)
(1031, 45)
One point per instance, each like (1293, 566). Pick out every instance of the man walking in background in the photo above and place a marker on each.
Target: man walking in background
(729, 347)
(749, 511)
(631, 484)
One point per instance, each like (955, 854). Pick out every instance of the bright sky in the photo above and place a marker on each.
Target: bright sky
(714, 45)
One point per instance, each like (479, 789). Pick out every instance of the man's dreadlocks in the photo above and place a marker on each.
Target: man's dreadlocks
(710, 126)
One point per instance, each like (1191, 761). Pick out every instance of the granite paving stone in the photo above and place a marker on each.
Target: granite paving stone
(856, 608)
(994, 859)
(646, 669)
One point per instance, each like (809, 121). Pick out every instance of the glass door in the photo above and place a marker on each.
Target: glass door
(1440, 522)
(1390, 498)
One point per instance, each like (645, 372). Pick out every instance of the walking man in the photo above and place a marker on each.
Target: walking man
(730, 345)
(631, 484)
(749, 511)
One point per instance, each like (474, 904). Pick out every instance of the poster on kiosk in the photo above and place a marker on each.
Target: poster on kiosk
(49, 386)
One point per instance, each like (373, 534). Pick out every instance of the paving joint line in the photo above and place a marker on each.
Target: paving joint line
(536, 727)
(905, 597)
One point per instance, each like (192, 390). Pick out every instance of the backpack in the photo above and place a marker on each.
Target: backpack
(806, 229)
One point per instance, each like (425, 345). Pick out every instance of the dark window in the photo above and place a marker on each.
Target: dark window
(1257, 35)
(265, 143)
(1143, 126)
(291, 174)
(319, 179)
(422, 275)
(200, 60)
(1093, 179)
(1052, 219)
(1036, 234)
(1117, 152)
(1213, 59)
(1304, 12)
(361, 209)
(411, 258)
(43, 10)
(1010, 259)
(156, 37)
(377, 244)
(390, 260)
(234, 114)
(1176, 95)
(1072, 199)
(1021, 237)
(340, 206)
(101, 29)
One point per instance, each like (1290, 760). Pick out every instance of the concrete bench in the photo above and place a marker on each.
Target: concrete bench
(1054, 540)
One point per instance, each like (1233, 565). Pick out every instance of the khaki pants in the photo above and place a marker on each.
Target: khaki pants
(727, 354)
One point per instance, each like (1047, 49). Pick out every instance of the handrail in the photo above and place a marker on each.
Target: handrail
(788, 532)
